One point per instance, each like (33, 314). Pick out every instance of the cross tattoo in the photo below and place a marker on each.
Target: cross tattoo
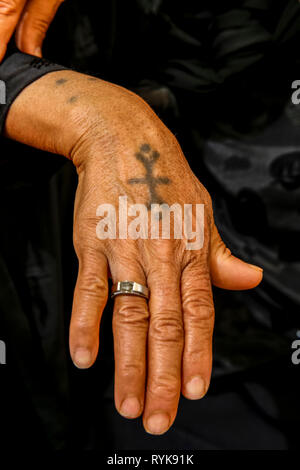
(148, 159)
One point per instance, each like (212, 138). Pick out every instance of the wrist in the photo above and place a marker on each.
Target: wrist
(54, 112)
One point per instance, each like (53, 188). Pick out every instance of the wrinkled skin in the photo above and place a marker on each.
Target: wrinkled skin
(163, 347)
(30, 20)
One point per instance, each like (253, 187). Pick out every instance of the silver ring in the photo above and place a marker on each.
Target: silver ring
(129, 288)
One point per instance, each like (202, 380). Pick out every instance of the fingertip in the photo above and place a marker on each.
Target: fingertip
(31, 49)
(38, 51)
(258, 276)
(250, 274)
(83, 346)
(82, 358)
(157, 423)
(232, 273)
(257, 268)
(195, 388)
(131, 408)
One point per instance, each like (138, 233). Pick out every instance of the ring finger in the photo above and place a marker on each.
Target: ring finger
(130, 327)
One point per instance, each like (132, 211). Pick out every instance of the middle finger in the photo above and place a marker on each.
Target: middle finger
(165, 345)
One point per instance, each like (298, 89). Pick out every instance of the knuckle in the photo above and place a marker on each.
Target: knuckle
(8, 7)
(87, 252)
(97, 289)
(130, 370)
(197, 278)
(162, 286)
(221, 249)
(206, 199)
(131, 314)
(92, 285)
(205, 196)
(165, 386)
(39, 24)
(77, 243)
(168, 329)
(200, 319)
(83, 234)
(199, 309)
(163, 273)
(165, 252)
(84, 322)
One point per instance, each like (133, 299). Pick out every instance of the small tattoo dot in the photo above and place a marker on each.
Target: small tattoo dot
(72, 99)
(61, 81)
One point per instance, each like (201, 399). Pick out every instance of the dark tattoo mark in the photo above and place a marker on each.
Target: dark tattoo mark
(148, 160)
(92, 79)
(72, 99)
(61, 81)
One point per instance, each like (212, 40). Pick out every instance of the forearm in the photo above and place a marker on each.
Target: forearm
(44, 115)
(55, 112)
(47, 106)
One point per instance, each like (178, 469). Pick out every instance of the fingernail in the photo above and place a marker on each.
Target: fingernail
(157, 423)
(255, 267)
(130, 407)
(82, 358)
(195, 388)
(38, 51)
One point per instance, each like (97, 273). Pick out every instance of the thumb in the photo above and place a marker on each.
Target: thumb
(34, 23)
(229, 272)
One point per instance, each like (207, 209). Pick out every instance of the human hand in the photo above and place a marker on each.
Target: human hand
(162, 347)
(30, 19)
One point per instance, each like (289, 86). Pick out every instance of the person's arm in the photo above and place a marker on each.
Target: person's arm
(121, 148)
(16, 72)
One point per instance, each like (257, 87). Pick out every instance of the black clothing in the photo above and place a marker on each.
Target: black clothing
(19, 70)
